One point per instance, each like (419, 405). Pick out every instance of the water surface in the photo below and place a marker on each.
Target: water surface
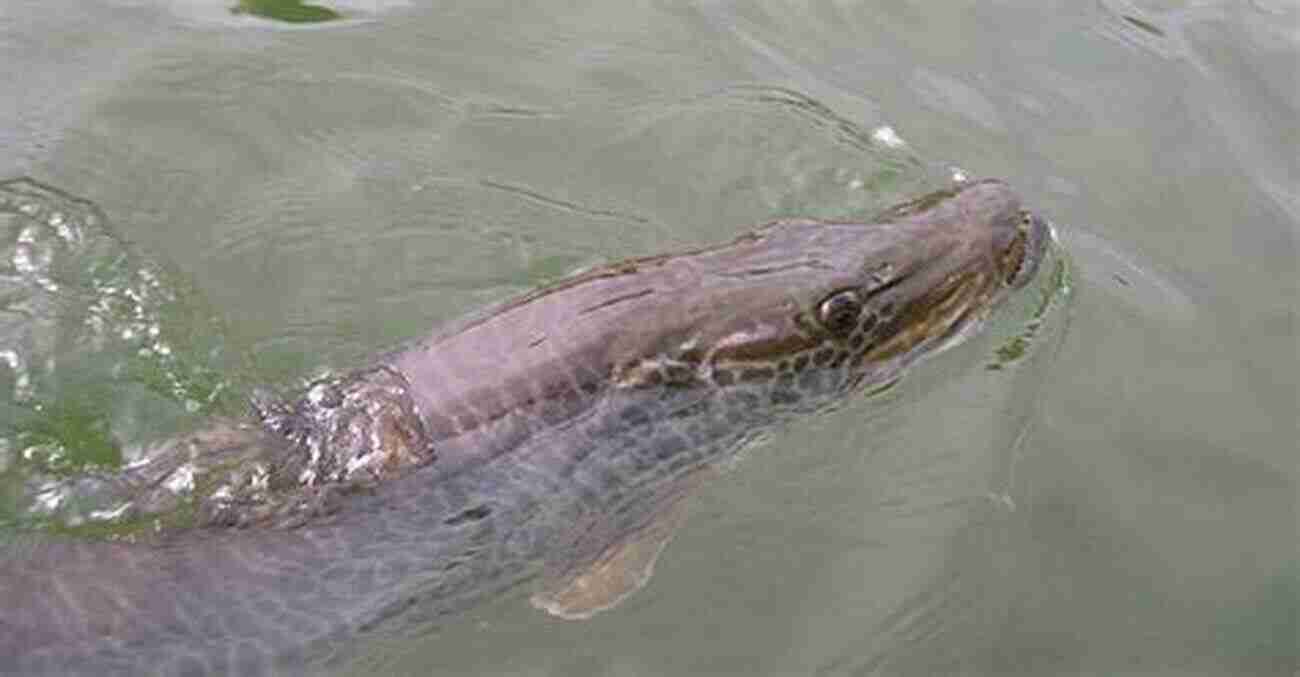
(1121, 499)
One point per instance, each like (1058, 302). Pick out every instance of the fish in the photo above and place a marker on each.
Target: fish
(552, 441)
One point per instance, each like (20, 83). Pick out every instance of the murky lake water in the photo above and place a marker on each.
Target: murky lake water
(1121, 500)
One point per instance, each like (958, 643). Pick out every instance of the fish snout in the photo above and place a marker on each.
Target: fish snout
(1020, 247)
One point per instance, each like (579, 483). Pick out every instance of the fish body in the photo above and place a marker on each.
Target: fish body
(551, 439)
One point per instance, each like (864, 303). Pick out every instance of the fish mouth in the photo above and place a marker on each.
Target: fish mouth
(948, 311)
(1027, 249)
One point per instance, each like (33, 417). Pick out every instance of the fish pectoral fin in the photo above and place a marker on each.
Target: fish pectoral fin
(621, 569)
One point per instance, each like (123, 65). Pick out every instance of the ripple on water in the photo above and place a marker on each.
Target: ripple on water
(99, 347)
(1126, 278)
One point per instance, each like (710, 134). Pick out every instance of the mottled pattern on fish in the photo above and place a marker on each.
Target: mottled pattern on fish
(552, 438)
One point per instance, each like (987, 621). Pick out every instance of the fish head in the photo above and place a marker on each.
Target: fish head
(867, 299)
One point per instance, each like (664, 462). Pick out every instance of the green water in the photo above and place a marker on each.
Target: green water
(1118, 498)
(290, 11)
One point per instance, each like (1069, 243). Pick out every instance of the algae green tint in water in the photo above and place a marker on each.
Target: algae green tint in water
(1053, 289)
(105, 350)
(68, 436)
(1119, 500)
(292, 11)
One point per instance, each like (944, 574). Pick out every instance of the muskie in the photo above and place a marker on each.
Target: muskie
(552, 439)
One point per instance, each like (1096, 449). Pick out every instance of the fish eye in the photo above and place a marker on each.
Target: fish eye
(839, 312)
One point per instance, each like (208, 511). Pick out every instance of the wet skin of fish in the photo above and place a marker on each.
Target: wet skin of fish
(550, 440)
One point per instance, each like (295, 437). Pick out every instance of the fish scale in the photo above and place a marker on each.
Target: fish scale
(552, 439)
